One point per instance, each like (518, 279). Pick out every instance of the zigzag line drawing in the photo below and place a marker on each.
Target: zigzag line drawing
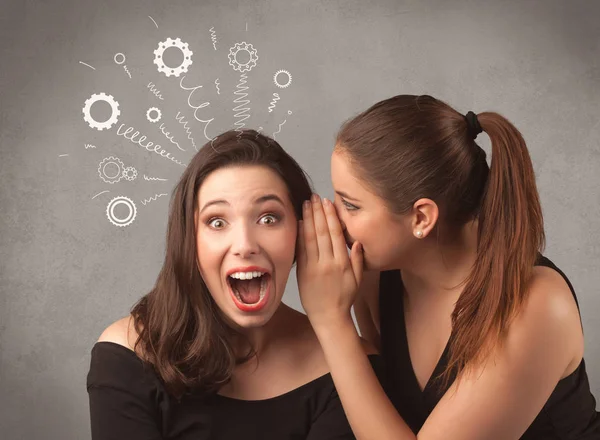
(153, 90)
(274, 102)
(242, 111)
(187, 129)
(154, 178)
(156, 196)
(217, 84)
(213, 37)
(89, 146)
(127, 70)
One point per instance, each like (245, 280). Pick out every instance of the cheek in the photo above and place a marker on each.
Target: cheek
(209, 252)
(282, 246)
(360, 227)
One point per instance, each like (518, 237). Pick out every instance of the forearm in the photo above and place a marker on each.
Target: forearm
(369, 411)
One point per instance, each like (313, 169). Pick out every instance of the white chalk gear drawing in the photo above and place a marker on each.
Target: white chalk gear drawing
(284, 85)
(114, 116)
(111, 160)
(233, 61)
(157, 117)
(187, 57)
(110, 211)
(130, 173)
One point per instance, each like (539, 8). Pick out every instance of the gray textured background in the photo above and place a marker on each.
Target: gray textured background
(66, 272)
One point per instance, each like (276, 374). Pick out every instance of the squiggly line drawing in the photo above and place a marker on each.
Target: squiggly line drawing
(162, 128)
(153, 198)
(242, 111)
(274, 102)
(153, 21)
(154, 178)
(187, 129)
(89, 146)
(127, 71)
(149, 146)
(217, 85)
(213, 37)
(99, 194)
(153, 90)
(258, 132)
(279, 129)
(81, 62)
(197, 107)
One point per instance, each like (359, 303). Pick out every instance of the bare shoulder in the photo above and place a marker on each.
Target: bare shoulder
(550, 299)
(120, 332)
(549, 318)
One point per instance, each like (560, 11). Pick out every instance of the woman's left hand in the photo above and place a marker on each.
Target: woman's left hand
(327, 279)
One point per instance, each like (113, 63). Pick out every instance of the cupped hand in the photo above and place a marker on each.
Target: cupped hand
(327, 278)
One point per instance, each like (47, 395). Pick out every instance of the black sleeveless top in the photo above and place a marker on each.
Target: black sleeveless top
(569, 413)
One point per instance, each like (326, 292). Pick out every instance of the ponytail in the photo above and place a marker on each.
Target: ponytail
(510, 236)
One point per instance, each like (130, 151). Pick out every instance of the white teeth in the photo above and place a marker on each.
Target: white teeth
(246, 275)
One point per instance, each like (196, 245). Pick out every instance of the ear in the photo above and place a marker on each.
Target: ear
(425, 214)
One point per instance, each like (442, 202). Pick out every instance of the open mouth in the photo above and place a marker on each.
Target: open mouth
(249, 288)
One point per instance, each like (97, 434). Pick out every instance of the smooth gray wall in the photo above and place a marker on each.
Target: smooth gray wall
(66, 272)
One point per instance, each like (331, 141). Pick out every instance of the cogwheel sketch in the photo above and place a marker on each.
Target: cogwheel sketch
(282, 73)
(107, 172)
(110, 211)
(233, 54)
(114, 116)
(153, 118)
(130, 173)
(183, 47)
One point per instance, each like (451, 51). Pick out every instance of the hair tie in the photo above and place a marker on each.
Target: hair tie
(473, 124)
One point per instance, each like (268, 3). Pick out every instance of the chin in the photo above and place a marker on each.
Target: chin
(251, 322)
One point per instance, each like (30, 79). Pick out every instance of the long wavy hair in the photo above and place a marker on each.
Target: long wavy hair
(182, 333)
(410, 147)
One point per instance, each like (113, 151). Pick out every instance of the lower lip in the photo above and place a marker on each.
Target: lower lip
(252, 307)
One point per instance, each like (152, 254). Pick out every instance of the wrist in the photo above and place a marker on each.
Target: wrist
(335, 329)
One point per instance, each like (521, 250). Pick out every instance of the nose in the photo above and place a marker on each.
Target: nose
(244, 242)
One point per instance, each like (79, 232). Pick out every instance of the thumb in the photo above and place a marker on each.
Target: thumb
(356, 261)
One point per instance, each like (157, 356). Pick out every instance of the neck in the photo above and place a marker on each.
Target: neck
(441, 267)
(261, 338)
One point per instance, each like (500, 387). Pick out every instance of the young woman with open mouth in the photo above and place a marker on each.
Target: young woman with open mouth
(212, 352)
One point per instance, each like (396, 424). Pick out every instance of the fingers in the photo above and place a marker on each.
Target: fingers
(321, 229)
(338, 241)
(311, 249)
(300, 247)
(356, 260)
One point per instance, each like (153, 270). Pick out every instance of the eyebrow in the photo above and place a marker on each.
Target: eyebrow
(346, 196)
(258, 201)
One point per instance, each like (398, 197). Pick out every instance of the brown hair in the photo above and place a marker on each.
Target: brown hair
(411, 147)
(182, 333)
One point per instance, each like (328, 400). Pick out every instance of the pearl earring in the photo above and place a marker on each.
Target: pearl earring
(419, 234)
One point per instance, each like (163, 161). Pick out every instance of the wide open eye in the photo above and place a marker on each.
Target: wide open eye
(216, 223)
(269, 219)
